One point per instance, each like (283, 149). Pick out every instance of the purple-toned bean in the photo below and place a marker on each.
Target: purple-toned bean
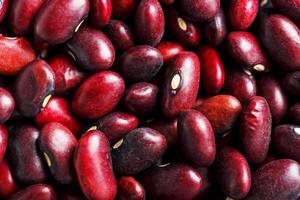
(290, 8)
(294, 113)
(130, 189)
(38, 191)
(291, 83)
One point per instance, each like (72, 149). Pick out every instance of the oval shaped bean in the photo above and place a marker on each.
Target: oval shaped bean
(294, 113)
(7, 105)
(289, 8)
(291, 83)
(130, 189)
(122, 9)
(169, 50)
(38, 191)
(8, 185)
(4, 8)
(100, 12)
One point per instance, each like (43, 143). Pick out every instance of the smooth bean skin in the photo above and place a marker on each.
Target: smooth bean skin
(59, 160)
(93, 166)
(3, 140)
(38, 191)
(7, 105)
(286, 141)
(15, 54)
(233, 173)
(122, 9)
(130, 189)
(4, 8)
(242, 13)
(294, 113)
(255, 130)
(8, 184)
(98, 95)
(32, 86)
(291, 83)
(212, 70)
(100, 12)
(196, 138)
(281, 178)
(140, 149)
(92, 48)
(139, 63)
(57, 20)
(22, 14)
(188, 182)
(169, 50)
(289, 8)
(181, 84)
(149, 22)
(280, 37)
(23, 151)
(116, 125)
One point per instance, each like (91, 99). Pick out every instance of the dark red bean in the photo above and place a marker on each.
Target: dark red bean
(116, 125)
(206, 186)
(67, 74)
(130, 189)
(222, 111)
(280, 36)
(119, 34)
(28, 165)
(255, 130)
(141, 98)
(139, 149)
(38, 191)
(93, 166)
(167, 2)
(212, 70)
(269, 88)
(98, 95)
(57, 20)
(169, 50)
(289, 8)
(245, 49)
(3, 141)
(93, 50)
(140, 63)
(7, 105)
(66, 195)
(100, 12)
(149, 22)
(294, 113)
(291, 83)
(279, 179)
(240, 84)
(8, 185)
(242, 13)
(233, 173)
(181, 84)
(122, 9)
(4, 8)
(188, 182)
(185, 32)
(200, 10)
(196, 138)
(286, 141)
(22, 14)
(33, 88)
(57, 144)
(15, 54)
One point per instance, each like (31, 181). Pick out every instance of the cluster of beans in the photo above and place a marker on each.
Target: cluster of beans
(149, 99)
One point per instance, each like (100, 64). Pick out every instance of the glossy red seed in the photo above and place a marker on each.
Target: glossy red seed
(7, 105)
(8, 185)
(289, 8)
(100, 12)
(3, 141)
(294, 114)
(38, 191)
(130, 189)
(169, 50)
(4, 4)
(291, 83)
(122, 9)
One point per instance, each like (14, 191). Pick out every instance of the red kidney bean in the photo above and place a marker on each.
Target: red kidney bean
(15, 54)
(67, 75)
(169, 50)
(245, 49)
(280, 37)
(57, 144)
(33, 88)
(269, 88)
(66, 195)
(181, 84)
(140, 63)
(4, 8)
(98, 95)
(294, 113)
(130, 189)
(242, 13)
(123, 8)
(212, 70)
(8, 185)
(196, 138)
(185, 32)
(137, 151)
(291, 83)
(222, 111)
(206, 186)
(215, 30)
(116, 125)
(255, 129)
(188, 182)
(7, 105)
(279, 179)
(3, 141)
(93, 166)
(22, 15)
(100, 12)
(289, 8)
(286, 141)
(233, 173)
(28, 165)
(200, 10)
(93, 50)
(38, 191)
(141, 98)
(240, 84)
(149, 22)
(119, 34)
(57, 20)
(167, 2)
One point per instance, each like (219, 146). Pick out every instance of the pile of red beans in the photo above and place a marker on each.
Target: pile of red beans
(149, 99)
